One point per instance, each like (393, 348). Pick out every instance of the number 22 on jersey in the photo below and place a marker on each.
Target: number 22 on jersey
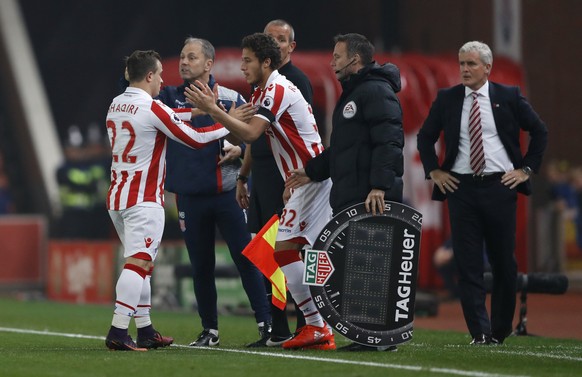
(128, 128)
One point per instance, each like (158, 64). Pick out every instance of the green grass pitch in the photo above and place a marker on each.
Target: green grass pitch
(40, 338)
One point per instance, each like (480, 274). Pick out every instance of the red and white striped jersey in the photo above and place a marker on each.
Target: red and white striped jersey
(138, 127)
(293, 134)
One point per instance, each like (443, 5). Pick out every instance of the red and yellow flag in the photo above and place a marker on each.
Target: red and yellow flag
(261, 252)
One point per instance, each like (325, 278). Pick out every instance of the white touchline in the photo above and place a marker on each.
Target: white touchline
(62, 334)
(456, 372)
(541, 354)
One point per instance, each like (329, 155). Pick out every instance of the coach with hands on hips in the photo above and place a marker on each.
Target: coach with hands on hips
(482, 172)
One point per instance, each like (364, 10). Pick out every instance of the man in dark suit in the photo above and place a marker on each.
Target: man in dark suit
(482, 171)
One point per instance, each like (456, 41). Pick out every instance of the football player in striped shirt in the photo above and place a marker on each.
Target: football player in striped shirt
(138, 128)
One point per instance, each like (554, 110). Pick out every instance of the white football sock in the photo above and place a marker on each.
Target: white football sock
(142, 314)
(128, 291)
(300, 292)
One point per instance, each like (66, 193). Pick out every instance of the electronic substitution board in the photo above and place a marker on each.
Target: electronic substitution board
(362, 273)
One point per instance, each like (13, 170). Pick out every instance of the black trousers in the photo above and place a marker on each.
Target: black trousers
(484, 211)
(202, 215)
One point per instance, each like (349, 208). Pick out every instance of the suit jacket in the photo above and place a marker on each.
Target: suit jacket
(511, 113)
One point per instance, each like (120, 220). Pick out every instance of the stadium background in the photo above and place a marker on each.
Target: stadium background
(79, 45)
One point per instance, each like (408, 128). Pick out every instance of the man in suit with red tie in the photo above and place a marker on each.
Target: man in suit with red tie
(480, 176)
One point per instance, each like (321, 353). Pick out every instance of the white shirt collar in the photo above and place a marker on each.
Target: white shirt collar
(140, 91)
(271, 78)
(483, 90)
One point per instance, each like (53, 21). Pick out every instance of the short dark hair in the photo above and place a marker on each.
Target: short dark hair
(264, 46)
(357, 44)
(140, 63)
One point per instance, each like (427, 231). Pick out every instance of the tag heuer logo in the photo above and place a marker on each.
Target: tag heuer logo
(318, 268)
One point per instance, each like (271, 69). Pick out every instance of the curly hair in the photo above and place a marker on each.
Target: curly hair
(264, 47)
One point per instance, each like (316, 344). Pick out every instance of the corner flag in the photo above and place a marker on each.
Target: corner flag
(261, 251)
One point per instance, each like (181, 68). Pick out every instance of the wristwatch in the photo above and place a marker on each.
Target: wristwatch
(527, 170)
(242, 178)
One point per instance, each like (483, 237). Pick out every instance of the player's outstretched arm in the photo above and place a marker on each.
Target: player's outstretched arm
(169, 123)
(204, 100)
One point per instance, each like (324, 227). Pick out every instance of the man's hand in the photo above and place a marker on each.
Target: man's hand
(444, 181)
(242, 194)
(514, 178)
(297, 179)
(375, 201)
(202, 98)
(197, 112)
(244, 112)
(231, 153)
(286, 195)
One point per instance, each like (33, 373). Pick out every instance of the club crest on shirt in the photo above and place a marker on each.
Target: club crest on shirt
(350, 110)
(268, 103)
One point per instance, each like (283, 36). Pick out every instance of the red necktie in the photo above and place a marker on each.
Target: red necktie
(477, 156)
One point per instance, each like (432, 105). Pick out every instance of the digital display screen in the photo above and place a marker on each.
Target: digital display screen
(367, 272)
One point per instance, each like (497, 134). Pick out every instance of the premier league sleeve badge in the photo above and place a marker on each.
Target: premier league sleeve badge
(362, 273)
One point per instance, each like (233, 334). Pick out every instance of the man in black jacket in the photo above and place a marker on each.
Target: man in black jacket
(364, 159)
(482, 172)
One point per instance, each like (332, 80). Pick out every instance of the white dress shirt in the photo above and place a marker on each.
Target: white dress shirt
(496, 158)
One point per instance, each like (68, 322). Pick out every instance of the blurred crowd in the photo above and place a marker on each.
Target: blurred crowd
(83, 181)
(557, 216)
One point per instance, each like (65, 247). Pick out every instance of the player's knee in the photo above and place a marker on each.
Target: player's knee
(142, 260)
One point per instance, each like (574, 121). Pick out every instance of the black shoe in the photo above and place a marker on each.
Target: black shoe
(277, 341)
(497, 341)
(157, 340)
(206, 339)
(356, 347)
(499, 338)
(264, 336)
(481, 340)
(122, 344)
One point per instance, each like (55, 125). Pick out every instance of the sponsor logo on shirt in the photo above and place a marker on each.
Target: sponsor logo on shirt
(350, 110)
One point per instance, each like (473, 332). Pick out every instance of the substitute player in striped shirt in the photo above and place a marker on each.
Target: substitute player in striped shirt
(287, 120)
(138, 128)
